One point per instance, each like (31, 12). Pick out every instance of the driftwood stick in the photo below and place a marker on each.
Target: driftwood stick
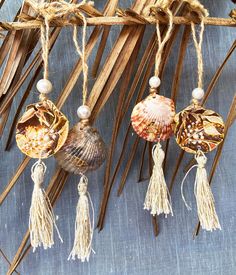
(114, 20)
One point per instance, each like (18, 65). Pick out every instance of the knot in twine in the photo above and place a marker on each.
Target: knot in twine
(38, 171)
(56, 9)
(50, 11)
(162, 5)
(196, 7)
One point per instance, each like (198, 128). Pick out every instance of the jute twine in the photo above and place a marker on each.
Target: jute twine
(82, 55)
(164, 6)
(49, 12)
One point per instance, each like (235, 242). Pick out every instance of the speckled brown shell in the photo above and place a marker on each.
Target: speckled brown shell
(42, 130)
(84, 150)
(152, 118)
(198, 129)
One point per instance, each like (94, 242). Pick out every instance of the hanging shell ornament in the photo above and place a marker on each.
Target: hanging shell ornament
(197, 128)
(42, 130)
(84, 149)
(152, 118)
(199, 131)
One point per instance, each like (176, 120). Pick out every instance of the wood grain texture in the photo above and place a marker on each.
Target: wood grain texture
(126, 245)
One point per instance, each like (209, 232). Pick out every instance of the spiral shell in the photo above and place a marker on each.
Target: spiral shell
(84, 150)
(198, 129)
(42, 130)
(152, 118)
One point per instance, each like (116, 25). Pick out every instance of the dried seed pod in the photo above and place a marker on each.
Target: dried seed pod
(152, 118)
(198, 129)
(42, 130)
(84, 150)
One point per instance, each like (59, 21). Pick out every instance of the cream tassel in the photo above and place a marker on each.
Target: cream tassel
(83, 228)
(205, 201)
(157, 196)
(41, 219)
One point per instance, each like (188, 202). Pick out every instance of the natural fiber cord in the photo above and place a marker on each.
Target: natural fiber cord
(41, 219)
(157, 198)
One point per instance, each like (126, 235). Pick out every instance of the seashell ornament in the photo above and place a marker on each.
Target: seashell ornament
(83, 151)
(42, 130)
(152, 119)
(198, 128)
(40, 133)
(199, 131)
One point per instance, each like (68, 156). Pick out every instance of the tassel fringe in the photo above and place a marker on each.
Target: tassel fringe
(83, 228)
(205, 200)
(41, 219)
(157, 198)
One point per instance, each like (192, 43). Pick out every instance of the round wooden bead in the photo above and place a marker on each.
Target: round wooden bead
(197, 128)
(84, 112)
(44, 86)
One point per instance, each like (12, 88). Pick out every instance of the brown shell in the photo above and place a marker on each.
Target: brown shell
(42, 130)
(84, 150)
(198, 129)
(152, 118)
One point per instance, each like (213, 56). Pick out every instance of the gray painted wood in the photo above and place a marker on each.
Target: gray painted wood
(126, 245)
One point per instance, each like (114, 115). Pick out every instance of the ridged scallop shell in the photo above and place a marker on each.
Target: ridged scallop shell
(42, 130)
(152, 118)
(84, 150)
(197, 128)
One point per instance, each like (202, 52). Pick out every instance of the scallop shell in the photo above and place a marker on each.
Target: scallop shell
(198, 129)
(152, 118)
(84, 150)
(42, 130)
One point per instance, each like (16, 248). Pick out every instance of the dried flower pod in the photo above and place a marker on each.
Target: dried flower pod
(198, 129)
(84, 150)
(42, 130)
(152, 118)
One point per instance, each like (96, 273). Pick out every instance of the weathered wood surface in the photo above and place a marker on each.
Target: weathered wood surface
(127, 245)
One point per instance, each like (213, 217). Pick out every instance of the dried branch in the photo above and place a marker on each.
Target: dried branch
(111, 21)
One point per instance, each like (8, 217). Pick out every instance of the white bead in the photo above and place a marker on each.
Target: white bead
(154, 82)
(198, 93)
(84, 112)
(44, 86)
